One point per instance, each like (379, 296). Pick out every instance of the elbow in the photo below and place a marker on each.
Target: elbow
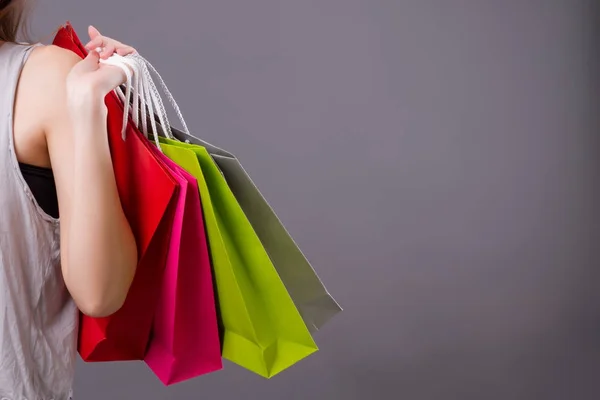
(102, 292)
(99, 291)
(99, 307)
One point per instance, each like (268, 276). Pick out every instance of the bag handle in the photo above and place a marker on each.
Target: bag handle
(166, 91)
(144, 95)
(162, 115)
(127, 97)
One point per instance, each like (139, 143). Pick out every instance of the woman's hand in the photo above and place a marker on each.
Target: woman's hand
(90, 80)
(107, 45)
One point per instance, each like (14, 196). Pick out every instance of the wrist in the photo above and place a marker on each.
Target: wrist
(84, 98)
(87, 111)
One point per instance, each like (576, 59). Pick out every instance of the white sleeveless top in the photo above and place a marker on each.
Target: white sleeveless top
(38, 318)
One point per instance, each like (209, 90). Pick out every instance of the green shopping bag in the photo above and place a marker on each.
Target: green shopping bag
(263, 330)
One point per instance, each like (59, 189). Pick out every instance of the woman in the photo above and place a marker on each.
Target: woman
(54, 157)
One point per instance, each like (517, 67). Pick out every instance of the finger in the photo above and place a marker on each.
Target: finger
(93, 32)
(98, 41)
(107, 51)
(92, 56)
(125, 50)
(89, 63)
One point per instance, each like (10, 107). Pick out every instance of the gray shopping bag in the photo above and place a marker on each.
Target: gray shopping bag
(307, 290)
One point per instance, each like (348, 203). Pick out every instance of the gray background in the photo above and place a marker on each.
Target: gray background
(436, 160)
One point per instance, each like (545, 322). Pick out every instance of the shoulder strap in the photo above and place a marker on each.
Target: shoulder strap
(12, 59)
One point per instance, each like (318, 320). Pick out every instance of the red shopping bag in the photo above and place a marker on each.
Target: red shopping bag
(185, 339)
(148, 194)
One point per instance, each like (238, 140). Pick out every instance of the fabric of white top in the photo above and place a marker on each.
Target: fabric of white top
(38, 318)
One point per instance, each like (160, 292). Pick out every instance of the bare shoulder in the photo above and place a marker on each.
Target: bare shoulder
(51, 61)
(55, 55)
(44, 74)
(40, 100)
(43, 79)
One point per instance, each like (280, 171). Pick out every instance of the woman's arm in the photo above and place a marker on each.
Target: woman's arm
(98, 250)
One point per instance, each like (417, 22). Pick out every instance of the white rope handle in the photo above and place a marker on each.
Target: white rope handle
(127, 98)
(169, 96)
(146, 94)
(148, 97)
(142, 95)
(154, 96)
(167, 93)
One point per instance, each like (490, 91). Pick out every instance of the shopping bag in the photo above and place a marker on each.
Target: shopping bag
(316, 305)
(185, 337)
(148, 196)
(262, 328)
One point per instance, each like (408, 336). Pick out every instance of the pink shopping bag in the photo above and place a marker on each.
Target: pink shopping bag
(185, 338)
